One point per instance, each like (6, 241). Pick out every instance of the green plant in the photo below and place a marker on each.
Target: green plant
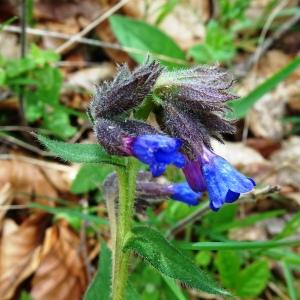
(40, 83)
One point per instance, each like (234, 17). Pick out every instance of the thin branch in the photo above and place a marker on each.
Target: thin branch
(196, 215)
(94, 42)
(91, 26)
(24, 145)
(267, 44)
(23, 55)
(37, 162)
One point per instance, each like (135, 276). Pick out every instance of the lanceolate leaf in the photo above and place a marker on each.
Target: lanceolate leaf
(81, 153)
(101, 285)
(168, 260)
(145, 38)
(241, 107)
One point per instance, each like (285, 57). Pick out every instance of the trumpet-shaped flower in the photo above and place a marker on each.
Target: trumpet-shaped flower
(157, 151)
(183, 193)
(223, 182)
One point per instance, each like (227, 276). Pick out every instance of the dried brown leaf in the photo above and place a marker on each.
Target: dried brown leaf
(20, 252)
(61, 274)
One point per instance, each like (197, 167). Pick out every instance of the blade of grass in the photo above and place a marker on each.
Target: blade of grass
(233, 245)
(242, 106)
(71, 211)
(289, 281)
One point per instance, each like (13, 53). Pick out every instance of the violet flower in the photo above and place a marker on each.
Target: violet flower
(223, 182)
(134, 138)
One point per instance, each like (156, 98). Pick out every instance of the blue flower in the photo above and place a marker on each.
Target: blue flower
(183, 193)
(158, 151)
(213, 173)
(224, 183)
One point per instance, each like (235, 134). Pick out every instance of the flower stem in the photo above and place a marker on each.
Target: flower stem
(127, 185)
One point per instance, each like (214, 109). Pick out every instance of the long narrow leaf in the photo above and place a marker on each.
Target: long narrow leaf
(80, 153)
(169, 261)
(73, 212)
(242, 106)
(100, 287)
(232, 245)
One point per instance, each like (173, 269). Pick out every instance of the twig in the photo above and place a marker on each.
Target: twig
(37, 162)
(24, 145)
(267, 44)
(23, 55)
(250, 197)
(94, 42)
(91, 26)
(83, 247)
(24, 128)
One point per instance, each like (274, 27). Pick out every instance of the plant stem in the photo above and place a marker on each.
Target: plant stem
(127, 185)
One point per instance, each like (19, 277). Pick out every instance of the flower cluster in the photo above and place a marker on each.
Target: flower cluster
(189, 107)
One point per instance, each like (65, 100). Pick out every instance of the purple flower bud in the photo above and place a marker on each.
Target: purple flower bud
(126, 91)
(193, 174)
(200, 88)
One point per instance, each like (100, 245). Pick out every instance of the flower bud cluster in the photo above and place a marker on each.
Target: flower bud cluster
(190, 106)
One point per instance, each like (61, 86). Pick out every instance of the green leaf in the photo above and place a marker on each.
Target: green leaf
(131, 292)
(80, 153)
(242, 106)
(20, 66)
(25, 296)
(248, 221)
(71, 212)
(228, 263)
(89, 177)
(174, 288)
(290, 227)
(289, 281)
(253, 280)
(233, 245)
(101, 284)
(168, 260)
(2, 76)
(58, 122)
(42, 57)
(143, 37)
(218, 45)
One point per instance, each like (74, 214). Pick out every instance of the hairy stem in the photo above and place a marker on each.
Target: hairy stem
(127, 185)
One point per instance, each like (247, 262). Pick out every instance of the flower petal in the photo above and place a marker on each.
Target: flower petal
(182, 192)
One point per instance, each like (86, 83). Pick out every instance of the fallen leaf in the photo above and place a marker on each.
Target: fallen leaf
(265, 119)
(287, 161)
(238, 153)
(20, 252)
(61, 274)
(49, 178)
(6, 197)
(57, 10)
(88, 78)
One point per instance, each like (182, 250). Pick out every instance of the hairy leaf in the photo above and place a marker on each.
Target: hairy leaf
(168, 260)
(81, 153)
(89, 177)
(101, 284)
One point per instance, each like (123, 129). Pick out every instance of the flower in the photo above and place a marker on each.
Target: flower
(183, 193)
(223, 182)
(138, 139)
(157, 151)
